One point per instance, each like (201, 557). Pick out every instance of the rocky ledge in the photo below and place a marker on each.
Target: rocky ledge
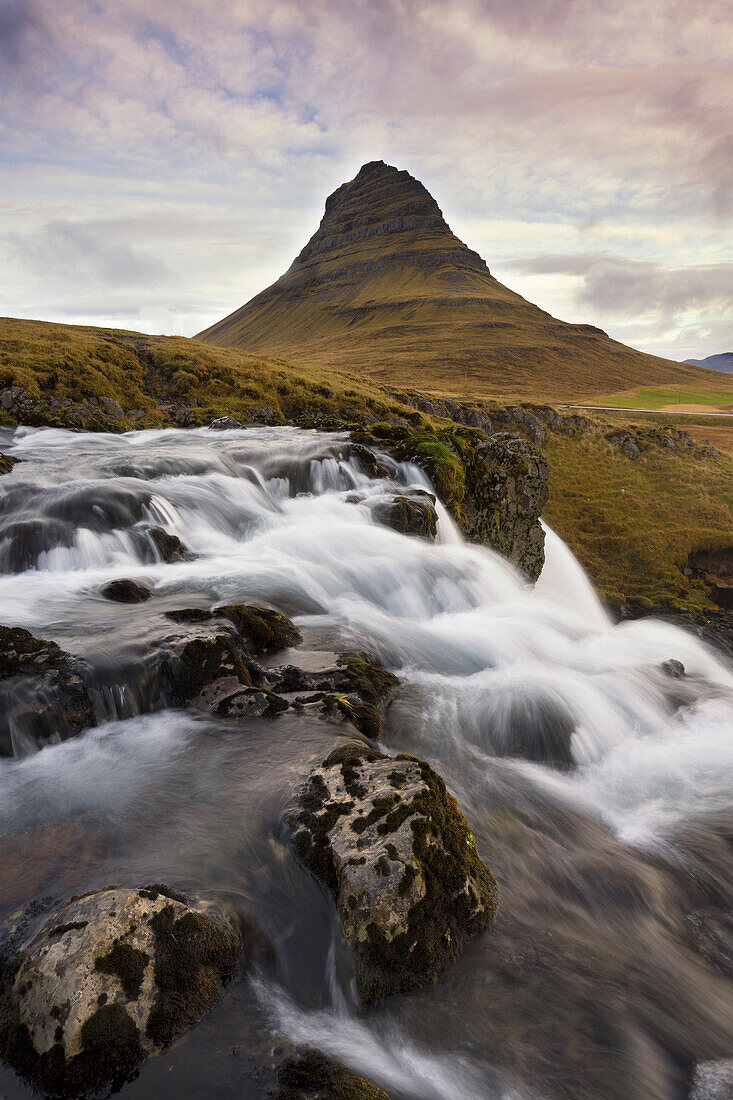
(43, 683)
(383, 834)
(112, 977)
(495, 486)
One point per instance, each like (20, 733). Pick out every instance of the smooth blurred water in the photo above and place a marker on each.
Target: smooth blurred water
(598, 787)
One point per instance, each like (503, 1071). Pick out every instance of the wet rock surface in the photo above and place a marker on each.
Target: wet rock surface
(383, 834)
(410, 513)
(7, 463)
(112, 977)
(126, 591)
(312, 1076)
(43, 691)
(506, 490)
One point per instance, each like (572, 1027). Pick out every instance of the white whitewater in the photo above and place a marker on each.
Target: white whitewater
(491, 668)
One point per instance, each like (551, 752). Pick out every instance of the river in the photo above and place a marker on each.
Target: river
(606, 974)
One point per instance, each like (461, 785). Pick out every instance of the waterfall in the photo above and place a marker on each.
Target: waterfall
(593, 778)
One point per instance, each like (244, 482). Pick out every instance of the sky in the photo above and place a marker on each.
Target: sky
(161, 161)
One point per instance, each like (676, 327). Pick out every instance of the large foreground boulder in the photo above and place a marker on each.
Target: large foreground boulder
(112, 977)
(390, 843)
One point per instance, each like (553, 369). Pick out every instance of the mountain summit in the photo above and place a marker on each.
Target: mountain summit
(385, 288)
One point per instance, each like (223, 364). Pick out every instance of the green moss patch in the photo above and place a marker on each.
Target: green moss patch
(194, 958)
(126, 963)
(315, 1077)
(262, 628)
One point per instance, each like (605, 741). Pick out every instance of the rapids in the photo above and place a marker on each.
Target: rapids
(598, 787)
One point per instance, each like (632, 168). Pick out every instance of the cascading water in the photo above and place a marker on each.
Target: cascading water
(598, 786)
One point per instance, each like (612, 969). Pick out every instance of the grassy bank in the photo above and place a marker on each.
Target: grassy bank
(632, 523)
(152, 376)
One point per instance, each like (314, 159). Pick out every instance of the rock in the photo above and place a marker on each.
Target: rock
(126, 591)
(194, 663)
(6, 463)
(224, 424)
(312, 1076)
(111, 407)
(723, 594)
(264, 629)
(673, 668)
(630, 448)
(169, 547)
(44, 695)
(112, 977)
(250, 703)
(21, 406)
(410, 513)
(716, 562)
(506, 490)
(713, 1081)
(383, 834)
(368, 461)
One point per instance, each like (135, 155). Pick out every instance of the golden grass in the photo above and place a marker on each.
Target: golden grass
(632, 542)
(632, 524)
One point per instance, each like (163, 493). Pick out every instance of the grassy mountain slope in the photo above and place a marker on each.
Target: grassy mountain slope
(156, 379)
(634, 543)
(385, 289)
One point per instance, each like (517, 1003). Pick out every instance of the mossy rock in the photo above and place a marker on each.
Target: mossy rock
(265, 630)
(51, 675)
(113, 976)
(368, 679)
(386, 837)
(412, 514)
(6, 463)
(312, 1076)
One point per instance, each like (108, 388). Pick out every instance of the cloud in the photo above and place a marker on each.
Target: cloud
(227, 124)
(619, 286)
(86, 254)
(17, 24)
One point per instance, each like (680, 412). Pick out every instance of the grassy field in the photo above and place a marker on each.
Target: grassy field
(631, 523)
(65, 363)
(718, 399)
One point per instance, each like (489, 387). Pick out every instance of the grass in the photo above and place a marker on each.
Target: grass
(146, 374)
(415, 308)
(632, 524)
(661, 397)
(632, 542)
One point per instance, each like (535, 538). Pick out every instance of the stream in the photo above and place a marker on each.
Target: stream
(607, 972)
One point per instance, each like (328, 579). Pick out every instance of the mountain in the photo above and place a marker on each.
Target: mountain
(723, 362)
(385, 288)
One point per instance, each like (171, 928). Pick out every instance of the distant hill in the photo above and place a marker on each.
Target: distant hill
(724, 362)
(384, 288)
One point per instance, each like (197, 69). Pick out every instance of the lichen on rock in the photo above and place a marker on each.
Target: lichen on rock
(113, 976)
(385, 836)
(312, 1076)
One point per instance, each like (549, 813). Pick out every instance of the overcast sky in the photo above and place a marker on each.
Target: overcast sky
(164, 160)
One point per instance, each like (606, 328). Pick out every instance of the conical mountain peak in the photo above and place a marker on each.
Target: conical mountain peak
(385, 288)
(379, 200)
